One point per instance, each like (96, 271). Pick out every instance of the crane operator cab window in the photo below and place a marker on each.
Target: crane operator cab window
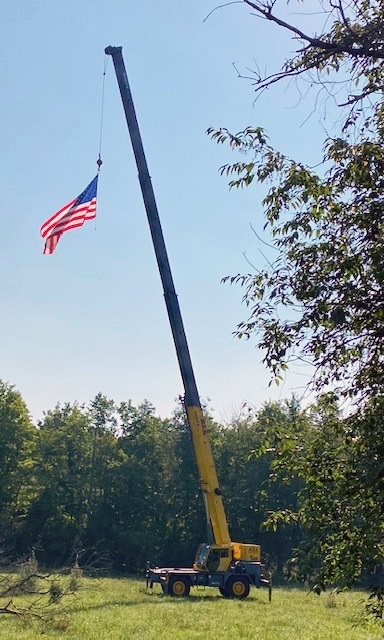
(201, 557)
(210, 558)
(213, 560)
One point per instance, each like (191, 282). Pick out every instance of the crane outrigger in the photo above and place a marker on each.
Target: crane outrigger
(231, 566)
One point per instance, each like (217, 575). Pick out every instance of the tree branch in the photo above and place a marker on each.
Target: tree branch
(318, 43)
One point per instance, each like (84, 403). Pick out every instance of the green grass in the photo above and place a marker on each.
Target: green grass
(122, 609)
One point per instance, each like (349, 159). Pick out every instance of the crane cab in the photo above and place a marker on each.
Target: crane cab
(213, 558)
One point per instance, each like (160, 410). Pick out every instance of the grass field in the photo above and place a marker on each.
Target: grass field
(120, 608)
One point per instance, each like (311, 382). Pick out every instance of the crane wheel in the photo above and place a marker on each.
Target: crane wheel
(237, 588)
(179, 587)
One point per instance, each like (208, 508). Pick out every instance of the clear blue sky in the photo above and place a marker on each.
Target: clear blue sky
(92, 317)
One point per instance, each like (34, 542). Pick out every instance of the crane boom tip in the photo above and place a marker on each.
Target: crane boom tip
(109, 51)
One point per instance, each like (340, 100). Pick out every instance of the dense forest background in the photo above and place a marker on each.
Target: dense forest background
(118, 482)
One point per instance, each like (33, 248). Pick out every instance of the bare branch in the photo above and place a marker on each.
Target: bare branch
(267, 244)
(352, 49)
(221, 6)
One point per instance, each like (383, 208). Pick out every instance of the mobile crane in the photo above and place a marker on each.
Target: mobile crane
(231, 566)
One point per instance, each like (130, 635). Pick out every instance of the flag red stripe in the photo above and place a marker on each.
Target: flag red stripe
(61, 224)
(71, 216)
(74, 216)
(51, 243)
(56, 216)
(73, 224)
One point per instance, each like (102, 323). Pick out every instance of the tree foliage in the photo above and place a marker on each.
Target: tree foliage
(320, 297)
(28, 593)
(116, 482)
(340, 499)
(347, 36)
(17, 459)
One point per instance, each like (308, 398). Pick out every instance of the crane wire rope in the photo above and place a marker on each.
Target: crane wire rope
(99, 161)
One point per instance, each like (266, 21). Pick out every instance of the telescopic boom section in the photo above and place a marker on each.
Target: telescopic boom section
(201, 444)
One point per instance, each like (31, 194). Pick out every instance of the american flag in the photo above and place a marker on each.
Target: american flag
(72, 215)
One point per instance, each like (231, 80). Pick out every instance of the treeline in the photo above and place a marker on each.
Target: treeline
(117, 481)
(121, 480)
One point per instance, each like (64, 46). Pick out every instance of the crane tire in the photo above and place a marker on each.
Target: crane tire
(179, 587)
(237, 587)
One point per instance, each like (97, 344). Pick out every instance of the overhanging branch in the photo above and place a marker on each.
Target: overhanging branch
(349, 47)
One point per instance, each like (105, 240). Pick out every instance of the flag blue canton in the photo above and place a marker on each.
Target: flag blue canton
(88, 194)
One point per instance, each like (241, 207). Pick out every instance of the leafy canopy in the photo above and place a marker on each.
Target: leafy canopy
(322, 298)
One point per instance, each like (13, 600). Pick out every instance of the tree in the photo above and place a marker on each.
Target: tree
(17, 461)
(28, 593)
(106, 458)
(340, 500)
(141, 500)
(348, 36)
(251, 488)
(321, 299)
(58, 515)
(186, 525)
